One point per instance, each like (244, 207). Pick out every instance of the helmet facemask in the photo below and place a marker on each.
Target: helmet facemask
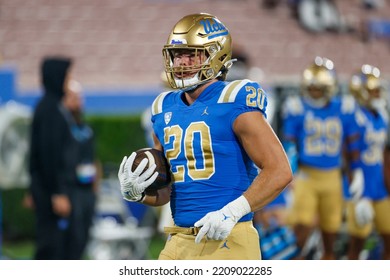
(317, 95)
(184, 76)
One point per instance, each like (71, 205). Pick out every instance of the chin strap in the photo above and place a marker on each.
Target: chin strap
(228, 64)
(191, 89)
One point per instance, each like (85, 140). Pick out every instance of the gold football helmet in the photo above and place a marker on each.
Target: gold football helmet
(199, 34)
(366, 87)
(319, 81)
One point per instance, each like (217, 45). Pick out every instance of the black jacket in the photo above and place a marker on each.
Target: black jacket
(49, 131)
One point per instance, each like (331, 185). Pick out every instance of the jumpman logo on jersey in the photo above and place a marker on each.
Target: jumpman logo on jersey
(224, 245)
(205, 111)
(225, 217)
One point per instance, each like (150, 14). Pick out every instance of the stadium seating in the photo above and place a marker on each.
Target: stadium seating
(118, 43)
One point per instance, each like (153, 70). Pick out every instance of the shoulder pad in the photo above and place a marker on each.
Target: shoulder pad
(360, 118)
(158, 103)
(385, 115)
(230, 91)
(348, 104)
(293, 106)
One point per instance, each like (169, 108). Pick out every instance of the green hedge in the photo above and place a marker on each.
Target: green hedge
(18, 222)
(115, 137)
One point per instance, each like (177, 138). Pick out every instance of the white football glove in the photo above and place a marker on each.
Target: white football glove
(218, 224)
(364, 212)
(132, 184)
(356, 187)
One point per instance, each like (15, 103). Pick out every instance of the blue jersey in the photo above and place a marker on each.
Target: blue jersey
(319, 133)
(209, 166)
(372, 141)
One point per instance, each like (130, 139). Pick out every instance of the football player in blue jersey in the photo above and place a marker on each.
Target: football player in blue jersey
(372, 206)
(212, 133)
(316, 124)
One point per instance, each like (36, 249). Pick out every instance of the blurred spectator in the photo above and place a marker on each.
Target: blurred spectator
(372, 4)
(270, 4)
(319, 16)
(49, 137)
(375, 28)
(81, 170)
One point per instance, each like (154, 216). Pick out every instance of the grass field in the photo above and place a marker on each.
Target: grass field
(21, 250)
(24, 250)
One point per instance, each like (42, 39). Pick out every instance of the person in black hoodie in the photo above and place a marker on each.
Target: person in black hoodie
(49, 137)
(82, 173)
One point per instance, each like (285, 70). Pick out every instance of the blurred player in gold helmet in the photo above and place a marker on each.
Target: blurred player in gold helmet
(319, 82)
(316, 125)
(372, 205)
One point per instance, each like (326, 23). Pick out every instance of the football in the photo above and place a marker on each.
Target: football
(162, 167)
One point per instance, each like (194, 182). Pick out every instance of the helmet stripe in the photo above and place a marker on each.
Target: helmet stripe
(218, 35)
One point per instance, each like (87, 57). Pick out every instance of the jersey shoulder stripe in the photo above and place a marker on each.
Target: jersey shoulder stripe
(157, 105)
(360, 117)
(230, 91)
(348, 104)
(384, 114)
(293, 106)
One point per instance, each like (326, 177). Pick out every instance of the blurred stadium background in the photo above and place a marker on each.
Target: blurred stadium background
(116, 46)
